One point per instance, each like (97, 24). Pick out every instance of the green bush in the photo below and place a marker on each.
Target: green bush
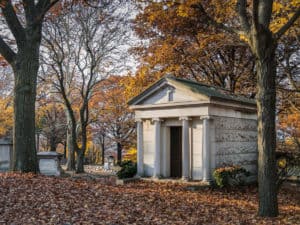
(230, 176)
(128, 169)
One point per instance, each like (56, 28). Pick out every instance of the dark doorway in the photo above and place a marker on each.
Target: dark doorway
(176, 151)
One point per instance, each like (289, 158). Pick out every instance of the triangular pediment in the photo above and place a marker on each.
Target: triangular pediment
(170, 90)
(166, 91)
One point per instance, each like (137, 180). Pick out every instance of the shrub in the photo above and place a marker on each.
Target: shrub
(128, 169)
(230, 176)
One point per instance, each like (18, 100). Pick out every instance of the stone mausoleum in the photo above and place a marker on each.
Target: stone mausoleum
(187, 129)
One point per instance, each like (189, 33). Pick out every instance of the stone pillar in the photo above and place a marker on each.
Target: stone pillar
(157, 158)
(140, 149)
(185, 148)
(206, 149)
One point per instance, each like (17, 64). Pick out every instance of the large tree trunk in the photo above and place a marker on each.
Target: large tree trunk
(25, 70)
(264, 48)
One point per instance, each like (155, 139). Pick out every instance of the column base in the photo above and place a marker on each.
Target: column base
(156, 177)
(207, 181)
(185, 179)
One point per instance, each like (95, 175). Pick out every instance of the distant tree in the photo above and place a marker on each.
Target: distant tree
(115, 118)
(52, 124)
(82, 46)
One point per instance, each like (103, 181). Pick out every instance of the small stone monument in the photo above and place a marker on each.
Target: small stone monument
(49, 163)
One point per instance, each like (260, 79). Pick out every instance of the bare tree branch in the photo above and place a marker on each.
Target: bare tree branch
(29, 9)
(242, 11)
(265, 12)
(216, 24)
(255, 4)
(285, 27)
(43, 6)
(6, 51)
(13, 22)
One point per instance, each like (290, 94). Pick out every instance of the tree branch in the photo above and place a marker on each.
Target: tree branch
(255, 14)
(30, 12)
(242, 11)
(43, 6)
(6, 51)
(265, 12)
(13, 22)
(285, 27)
(216, 24)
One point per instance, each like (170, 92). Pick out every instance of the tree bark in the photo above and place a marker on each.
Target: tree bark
(119, 153)
(264, 46)
(103, 153)
(80, 162)
(25, 71)
(53, 144)
(71, 166)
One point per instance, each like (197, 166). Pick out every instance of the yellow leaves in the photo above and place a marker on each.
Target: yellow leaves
(131, 154)
(282, 163)
(282, 12)
(6, 116)
(244, 38)
(277, 7)
(183, 11)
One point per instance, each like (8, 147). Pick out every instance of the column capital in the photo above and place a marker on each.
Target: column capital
(157, 119)
(206, 117)
(137, 120)
(184, 118)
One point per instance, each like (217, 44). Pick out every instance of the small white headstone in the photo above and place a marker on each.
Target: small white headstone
(49, 163)
(106, 166)
(48, 167)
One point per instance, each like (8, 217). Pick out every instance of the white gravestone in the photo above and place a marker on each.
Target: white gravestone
(49, 163)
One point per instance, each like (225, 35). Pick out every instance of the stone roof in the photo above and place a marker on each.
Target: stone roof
(196, 87)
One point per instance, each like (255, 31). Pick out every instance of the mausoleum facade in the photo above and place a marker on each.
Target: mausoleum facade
(187, 129)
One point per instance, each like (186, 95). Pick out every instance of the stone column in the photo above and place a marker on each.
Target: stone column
(185, 148)
(206, 149)
(157, 158)
(140, 149)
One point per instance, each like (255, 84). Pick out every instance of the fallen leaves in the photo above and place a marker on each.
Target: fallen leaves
(35, 199)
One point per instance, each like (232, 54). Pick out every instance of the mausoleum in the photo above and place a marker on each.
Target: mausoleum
(187, 129)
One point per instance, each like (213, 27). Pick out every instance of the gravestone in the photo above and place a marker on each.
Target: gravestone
(5, 154)
(49, 163)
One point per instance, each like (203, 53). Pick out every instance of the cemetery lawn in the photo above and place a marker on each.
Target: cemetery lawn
(35, 199)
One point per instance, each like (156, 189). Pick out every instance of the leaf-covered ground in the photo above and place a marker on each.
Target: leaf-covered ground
(36, 199)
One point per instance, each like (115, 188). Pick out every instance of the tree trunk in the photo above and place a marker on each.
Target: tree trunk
(119, 152)
(65, 150)
(103, 153)
(71, 166)
(264, 48)
(52, 144)
(80, 162)
(25, 70)
(38, 142)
